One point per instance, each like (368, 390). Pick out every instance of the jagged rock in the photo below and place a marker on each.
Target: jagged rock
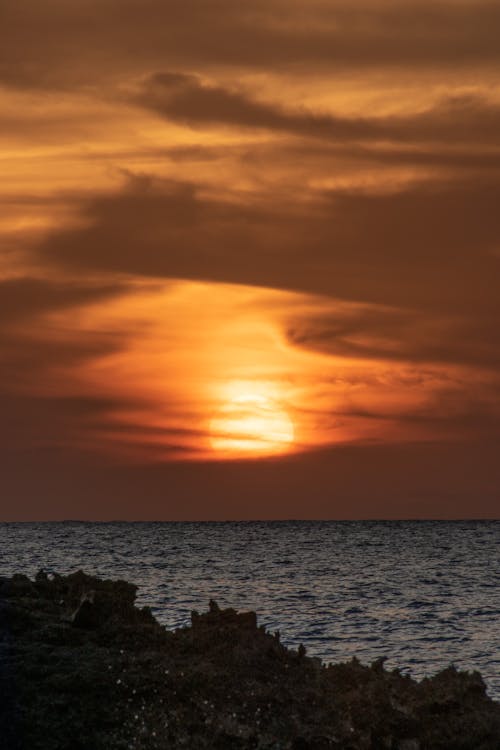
(82, 668)
(223, 619)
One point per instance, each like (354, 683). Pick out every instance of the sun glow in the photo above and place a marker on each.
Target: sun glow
(251, 425)
(206, 372)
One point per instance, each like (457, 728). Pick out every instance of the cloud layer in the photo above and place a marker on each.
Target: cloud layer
(297, 197)
(77, 42)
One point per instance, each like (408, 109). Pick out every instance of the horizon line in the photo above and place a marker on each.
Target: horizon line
(260, 520)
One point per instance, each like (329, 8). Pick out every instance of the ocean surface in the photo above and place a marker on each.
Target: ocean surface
(424, 594)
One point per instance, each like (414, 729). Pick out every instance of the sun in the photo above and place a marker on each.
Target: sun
(251, 425)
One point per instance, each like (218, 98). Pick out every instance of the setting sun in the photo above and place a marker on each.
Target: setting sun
(251, 425)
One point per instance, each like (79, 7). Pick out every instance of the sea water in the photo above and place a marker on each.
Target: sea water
(424, 594)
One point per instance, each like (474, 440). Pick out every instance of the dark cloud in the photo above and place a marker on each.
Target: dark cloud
(30, 421)
(26, 297)
(188, 99)
(446, 159)
(31, 347)
(400, 335)
(420, 262)
(93, 425)
(27, 357)
(59, 43)
(65, 407)
(469, 412)
(428, 247)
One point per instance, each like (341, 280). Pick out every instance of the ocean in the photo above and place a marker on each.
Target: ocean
(424, 594)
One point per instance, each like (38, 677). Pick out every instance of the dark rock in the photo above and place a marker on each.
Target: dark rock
(223, 619)
(16, 586)
(87, 614)
(411, 744)
(378, 664)
(299, 743)
(81, 668)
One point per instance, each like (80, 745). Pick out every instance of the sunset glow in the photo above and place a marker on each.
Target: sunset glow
(232, 233)
(213, 372)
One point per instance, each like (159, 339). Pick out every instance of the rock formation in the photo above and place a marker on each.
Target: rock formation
(82, 668)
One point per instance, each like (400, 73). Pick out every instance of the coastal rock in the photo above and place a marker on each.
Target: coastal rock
(81, 667)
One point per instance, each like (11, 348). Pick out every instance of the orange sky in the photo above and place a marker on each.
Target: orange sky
(250, 259)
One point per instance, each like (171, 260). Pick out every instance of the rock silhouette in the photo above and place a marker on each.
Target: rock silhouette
(82, 668)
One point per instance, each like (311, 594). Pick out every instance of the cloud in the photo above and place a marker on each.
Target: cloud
(46, 422)
(106, 37)
(325, 148)
(447, 159)
(426, 247)
(30, 346)
(414, 269)
(400, 335)
(186, 98)
(26, 358)
(26, 297)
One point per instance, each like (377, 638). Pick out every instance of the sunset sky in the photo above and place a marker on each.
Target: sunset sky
(250, 260)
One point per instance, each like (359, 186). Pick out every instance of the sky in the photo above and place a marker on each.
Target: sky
(250, 259)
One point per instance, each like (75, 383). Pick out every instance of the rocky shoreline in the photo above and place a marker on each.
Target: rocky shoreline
(82, 668)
